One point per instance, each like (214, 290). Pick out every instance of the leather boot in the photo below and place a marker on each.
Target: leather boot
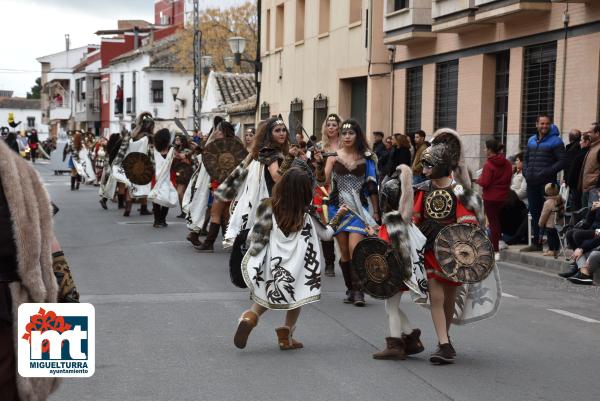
(163, 216)
(103, 203)
(329, 256)
(73, 183)
(346, 266)
(127, 211)
(77, 182)
(412, 342)
(144, 210)
(207, 245)
(394, 350)
(121, 201)
(285, 340)
(358, 294)
(193, 238)
(247, 322)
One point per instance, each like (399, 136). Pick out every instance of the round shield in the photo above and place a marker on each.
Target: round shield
(222, 156)
(378, 267)
(183, 173)
(464, 252)
(138, 168)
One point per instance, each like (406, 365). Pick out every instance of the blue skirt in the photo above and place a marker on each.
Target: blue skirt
(351, 223)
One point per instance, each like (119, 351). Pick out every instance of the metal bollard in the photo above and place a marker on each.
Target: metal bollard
(529, 228)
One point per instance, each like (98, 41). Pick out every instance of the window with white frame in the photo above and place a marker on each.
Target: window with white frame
(156, 91)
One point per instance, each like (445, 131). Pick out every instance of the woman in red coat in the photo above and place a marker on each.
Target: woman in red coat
(495, 180)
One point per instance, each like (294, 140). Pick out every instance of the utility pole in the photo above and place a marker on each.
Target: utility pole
(197, 102)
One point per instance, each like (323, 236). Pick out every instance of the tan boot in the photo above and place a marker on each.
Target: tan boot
(285, 340)
(394, 350)
(247, 322)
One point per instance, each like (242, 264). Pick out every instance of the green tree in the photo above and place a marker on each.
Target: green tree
(35, 90)
(217, 26)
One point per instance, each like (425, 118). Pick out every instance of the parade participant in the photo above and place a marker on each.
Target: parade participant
(396, 197)
(34, 143)
(254, 178)
(108, 183)
(352, 176)
(137, 141)
(163, 194)
(72, 150)
(249, 138)
(219, 212)
(282, 265)
(182, 162)
(99, 157)
(438, 203)
(330, 134)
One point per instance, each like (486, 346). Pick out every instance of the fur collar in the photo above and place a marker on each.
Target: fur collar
(31, 215)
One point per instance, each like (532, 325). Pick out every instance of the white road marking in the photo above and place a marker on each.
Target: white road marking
(148, 222)
(504, 294)
(529, 269)
(167, 242)
(574, 315)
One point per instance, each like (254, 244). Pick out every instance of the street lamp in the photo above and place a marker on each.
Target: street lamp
(237, 44)
(228, 61)
(207, 63)
(175, 92)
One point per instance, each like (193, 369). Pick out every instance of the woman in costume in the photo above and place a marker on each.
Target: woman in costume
(281, 267)
(163, 194)
(183, 158)
(352, 176)
(330, 133)
(99, 158)
(108, 183)
(73, 149)
(440, 202)
(249, 139)
(219, 211)
(253, 180)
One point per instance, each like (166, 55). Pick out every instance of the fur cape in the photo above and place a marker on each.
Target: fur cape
(228, 190)
(31, 215)
(397, 221)
(259, 235)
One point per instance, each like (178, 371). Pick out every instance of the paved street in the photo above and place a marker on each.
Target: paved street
(165, 317)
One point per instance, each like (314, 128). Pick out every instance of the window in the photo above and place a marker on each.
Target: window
(30, 122)
(539, 63)
(265, 111)
(296, 110)
(355, 11)
(105, 91)
(399, 4)
(82, 88)
(133, 91)
(268, 38)
(300, 20)
(319, 114)
(446, 91)
(414, 88)
(323, 16)
(501, 101)
(128, 105)
(279, 26)
(96, 96)
(156, 91)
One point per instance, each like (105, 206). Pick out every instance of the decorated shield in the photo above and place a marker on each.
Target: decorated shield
(464, 252)
(183, 173)
(138, 168)
(378, 267)
(222, 156)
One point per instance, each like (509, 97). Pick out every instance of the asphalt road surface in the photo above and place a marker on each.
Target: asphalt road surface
(165, 318)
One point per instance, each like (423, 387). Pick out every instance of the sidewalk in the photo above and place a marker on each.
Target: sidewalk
(534, 260)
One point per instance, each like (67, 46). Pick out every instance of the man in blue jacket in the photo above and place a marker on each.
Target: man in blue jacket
(544, 159)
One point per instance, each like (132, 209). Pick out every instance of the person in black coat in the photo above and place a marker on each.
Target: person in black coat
(400, 154)
(572, 149)
(572, 179)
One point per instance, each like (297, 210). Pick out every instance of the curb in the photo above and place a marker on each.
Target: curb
(535, 261)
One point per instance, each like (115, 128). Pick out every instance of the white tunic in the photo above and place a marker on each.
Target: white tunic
(286, 274)
(137, 191)
(164, 192)
(195, 199)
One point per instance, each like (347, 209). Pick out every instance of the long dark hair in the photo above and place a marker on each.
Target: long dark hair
(291, 195)
(360, 144)
(264, 137)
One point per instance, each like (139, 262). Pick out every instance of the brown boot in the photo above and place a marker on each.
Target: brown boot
(193, 238)
(412, 342)
(248, 321)
(394, 350)
(207, 245)
(285, 340)
(329, 256)
(127, 211)
(357, 293)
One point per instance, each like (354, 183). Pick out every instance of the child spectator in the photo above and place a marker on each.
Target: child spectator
(552, 212)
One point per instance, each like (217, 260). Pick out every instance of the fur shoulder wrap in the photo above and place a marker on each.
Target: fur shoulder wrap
(227, 191)
(261, 230)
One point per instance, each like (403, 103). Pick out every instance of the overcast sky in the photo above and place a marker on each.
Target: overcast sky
(33, 28)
